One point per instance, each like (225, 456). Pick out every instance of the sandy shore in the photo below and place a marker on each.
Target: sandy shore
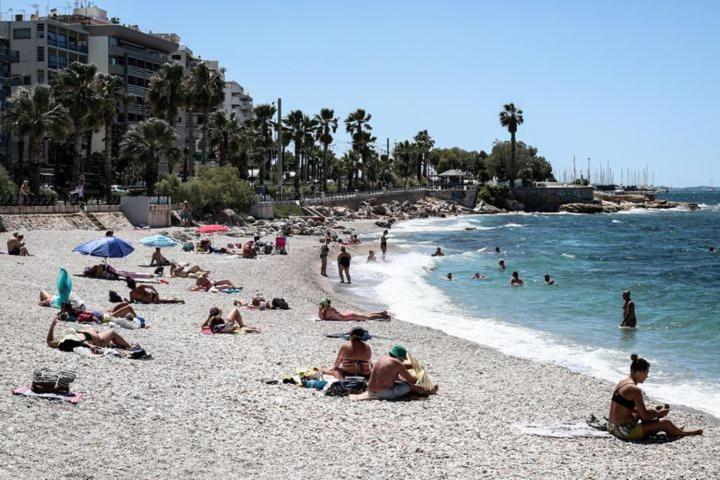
(200, 408)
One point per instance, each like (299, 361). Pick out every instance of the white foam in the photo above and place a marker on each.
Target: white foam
(403, 288)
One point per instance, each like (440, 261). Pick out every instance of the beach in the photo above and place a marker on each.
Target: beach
(201, 408)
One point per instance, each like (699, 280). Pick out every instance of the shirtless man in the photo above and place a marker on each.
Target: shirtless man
(324, 252)
(629, 319)
(549, 280)
(385, 380)
(353, 359)
(16, 246)
(343, 261)
(438, 253)
(501, 265)
(158, 259)
(515, 280)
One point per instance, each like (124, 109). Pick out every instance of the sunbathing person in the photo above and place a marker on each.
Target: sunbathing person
(629, 418)
(87, 337)
(158, 259)
(147, 294)
(217, 324)
(353, 359)
(184, 270)
(47, 300)
(390, 379)
(204, 284)
(249, 250)
(257, 303)
(328, 313)
(16, 246)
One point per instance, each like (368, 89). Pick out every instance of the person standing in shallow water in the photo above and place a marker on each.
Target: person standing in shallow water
(383, 243)
(343, 261)
(629, 319)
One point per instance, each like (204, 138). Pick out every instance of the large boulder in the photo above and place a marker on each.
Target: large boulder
(380, 209)
(581, 208)
(487, 209)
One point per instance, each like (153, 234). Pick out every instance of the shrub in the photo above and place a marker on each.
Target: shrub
(214, 189)
(168, 186)
(47, 196)
(289, 210)
(495, 195)
(8, 189)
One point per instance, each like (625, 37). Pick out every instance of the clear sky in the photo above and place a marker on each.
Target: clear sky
(629, 82)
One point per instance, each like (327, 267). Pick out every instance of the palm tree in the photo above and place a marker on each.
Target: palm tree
(35, 113)
(510, 118)
(111, 92)
(205, 89)
(262, 128)
(73, 89)
(327, 126)
(358, 126)
(405, 150)
(296, 123)
(166, 96)
(424, 143)
(149, 142)
(225, 137)
(309, 147)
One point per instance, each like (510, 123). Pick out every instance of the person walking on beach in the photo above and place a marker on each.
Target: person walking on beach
(24, 193)
(629, 319)
(383, 243)
(630, 418)
(324, 252)
(343, 261)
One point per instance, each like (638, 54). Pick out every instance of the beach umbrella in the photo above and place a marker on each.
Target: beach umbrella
(212, 229)
(158, 241)
(105, 247)
(64, 288)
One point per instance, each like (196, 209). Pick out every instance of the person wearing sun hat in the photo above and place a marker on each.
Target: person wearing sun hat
(390, 379)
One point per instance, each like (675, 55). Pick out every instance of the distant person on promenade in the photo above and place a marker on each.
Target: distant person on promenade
(478, 276)
(16, 246)
(158, 259)
(390, 379)
(186, 214)
(549, 280)
(629, 319)
(501, 265)
(324, 252)
(630, 418)
(343, 261)
(383, 244)
(371, 256)
(24, 193)
(515, 280)
(328, 313)
(438, 253)
(353, 358)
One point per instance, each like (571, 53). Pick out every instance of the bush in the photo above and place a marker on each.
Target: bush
(168, 186)
(8, 189)
(47, 196)
(289, 210)
(213, 190)
(495, 195)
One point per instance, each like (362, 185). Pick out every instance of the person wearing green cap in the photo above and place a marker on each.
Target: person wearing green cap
(390, 379)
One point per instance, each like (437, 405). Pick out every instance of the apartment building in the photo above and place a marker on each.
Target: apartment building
(237, 101)
(7, 58)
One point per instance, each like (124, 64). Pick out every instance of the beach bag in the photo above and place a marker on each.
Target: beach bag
(49, 381)
(337, 389)
(188, 247)
(268, 249)
(280, 304)
(114, 297)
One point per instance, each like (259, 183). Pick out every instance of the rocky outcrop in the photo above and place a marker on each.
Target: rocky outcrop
(581, 208)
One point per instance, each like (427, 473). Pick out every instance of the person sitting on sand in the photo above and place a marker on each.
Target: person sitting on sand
(249, 250)
(629, 319)
(217, 324)
(86, 337)
(549, 280)
(390, 379)
(629, 418)
(478, 276)
(328, 313)
(515, 280)
(353, 358)
(184, 270)
(438, 253)
(501, 265)
(371, 256)
(204, 284)
(449, 277)
(16, 245)
(147, 294)
(158, 259)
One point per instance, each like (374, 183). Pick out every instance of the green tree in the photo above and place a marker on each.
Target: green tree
(301, 129)
(110, 90)
(36, 114)
(205, 89)
(404, 151)
(150, 142)
(327, 124)
(425, 144)
(262, 132)
(214, 189)
(73, 88)
(166, 96)
(510, 118)
(530, 166)
(225, 137)
(357, 124)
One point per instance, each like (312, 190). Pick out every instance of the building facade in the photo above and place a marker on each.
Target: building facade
(237, 101)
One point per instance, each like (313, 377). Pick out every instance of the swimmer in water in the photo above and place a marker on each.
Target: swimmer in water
(629, 319)
(549, 280)
(449, 276)
(438, 253)
(515, 280)
(501, 265)
(711, 249)
(477, 276)
(497, 249)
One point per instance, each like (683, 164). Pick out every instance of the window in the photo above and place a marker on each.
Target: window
(62, 40)
(41, 30)
(41, 76)
(40, 54)
(52, 38)
(22, 33)
(113, 41)
(177, 57)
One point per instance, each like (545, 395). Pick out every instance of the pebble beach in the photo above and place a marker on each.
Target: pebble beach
(201, 407)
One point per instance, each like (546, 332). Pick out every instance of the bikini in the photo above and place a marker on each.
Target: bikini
(629, 430)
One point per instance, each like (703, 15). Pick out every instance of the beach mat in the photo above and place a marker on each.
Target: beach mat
(26, 391)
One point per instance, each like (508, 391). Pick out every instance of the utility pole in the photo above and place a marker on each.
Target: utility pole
(574, 170)
(279, 164)
(588, 176)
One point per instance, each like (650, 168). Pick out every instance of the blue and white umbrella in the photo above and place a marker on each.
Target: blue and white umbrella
(105, 247)
(158, 241)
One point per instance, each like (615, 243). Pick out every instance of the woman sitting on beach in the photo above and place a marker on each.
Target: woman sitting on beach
(353, 359)
(87, 337)
(515, 280)
(204, 284)
(217, 324)
(147, 294)
(629, 418)
(328, 313)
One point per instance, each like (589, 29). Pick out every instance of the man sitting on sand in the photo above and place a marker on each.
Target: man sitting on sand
(158, 259)
(328, 313)
(16, 246)
(353, 359)
(147, 294)
(234, 322)
(390, 379)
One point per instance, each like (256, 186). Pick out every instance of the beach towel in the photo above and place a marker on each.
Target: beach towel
(561, 430)
(26, 391)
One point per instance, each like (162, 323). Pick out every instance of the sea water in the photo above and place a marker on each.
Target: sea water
(661, 256)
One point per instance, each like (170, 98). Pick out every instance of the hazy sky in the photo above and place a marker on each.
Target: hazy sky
(626, 82)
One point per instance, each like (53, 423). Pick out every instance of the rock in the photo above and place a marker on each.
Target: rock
(581, 208)
(381, 209)
(486, 208)
(514, 205)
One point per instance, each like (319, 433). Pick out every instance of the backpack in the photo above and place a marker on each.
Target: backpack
(114, 297)
(280, 304)
(49, 381)
(188, 247)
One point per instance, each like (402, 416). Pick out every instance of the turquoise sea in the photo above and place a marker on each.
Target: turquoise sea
(661, 256)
